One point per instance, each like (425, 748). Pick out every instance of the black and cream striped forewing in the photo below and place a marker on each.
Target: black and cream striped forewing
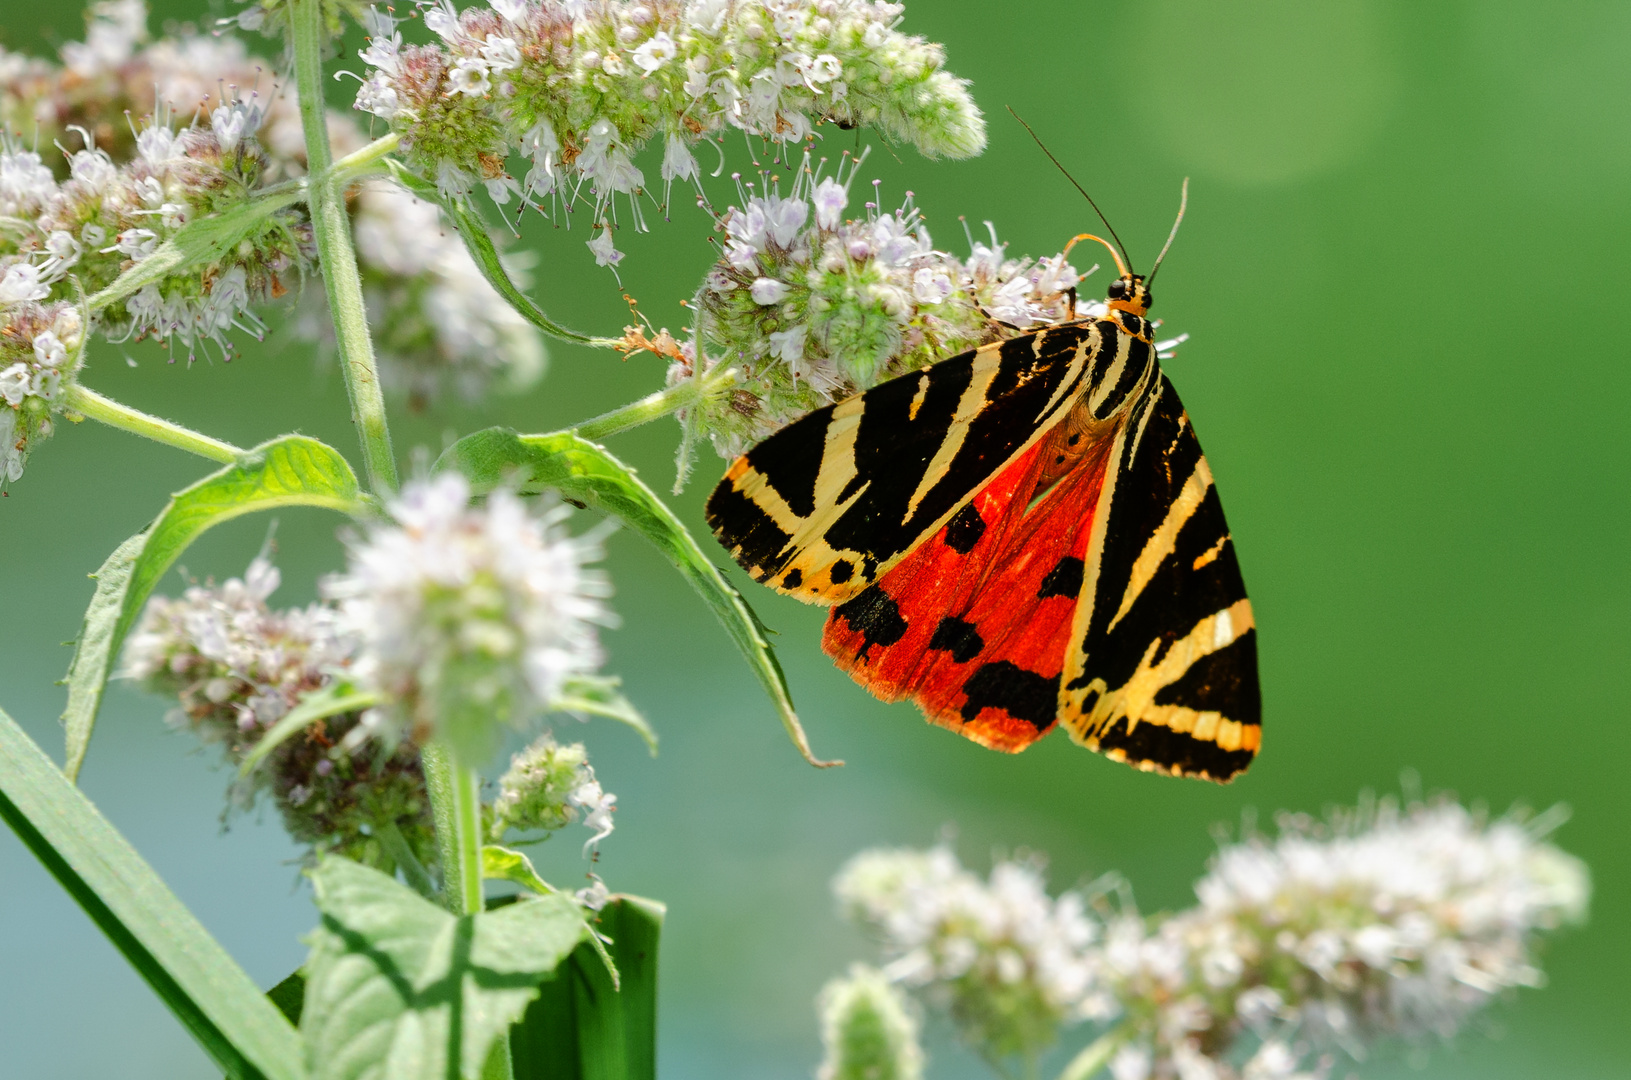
(824, 507)
(1162, 672)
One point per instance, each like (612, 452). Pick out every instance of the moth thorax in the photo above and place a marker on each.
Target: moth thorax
(1078, 439)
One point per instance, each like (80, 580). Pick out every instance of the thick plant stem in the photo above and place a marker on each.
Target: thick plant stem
(467, 823)
(455, 807)
(88, 402)
(660, 404)
(332, 230)
(437, 762)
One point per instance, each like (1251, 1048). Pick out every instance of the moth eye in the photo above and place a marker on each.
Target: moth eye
(1117, 290)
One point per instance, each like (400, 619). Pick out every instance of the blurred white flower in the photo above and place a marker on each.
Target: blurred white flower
(471, 617)
(767, 291)
(1011, 964)
(20, 283)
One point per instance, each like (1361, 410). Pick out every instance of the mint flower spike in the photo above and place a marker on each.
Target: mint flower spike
(1010, 964)
(814, 306)
(470, 617)
(579, 87)
(548, 787)
(75, 238)
(236, 667)
(1386, 921)
(447, 329)
(1392, 920)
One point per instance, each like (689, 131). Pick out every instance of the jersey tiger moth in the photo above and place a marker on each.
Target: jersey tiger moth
(1022, 535)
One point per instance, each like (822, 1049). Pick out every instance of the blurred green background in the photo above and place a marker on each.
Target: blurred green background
(1403, 272)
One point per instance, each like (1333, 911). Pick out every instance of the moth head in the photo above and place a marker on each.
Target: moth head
(1129, 293)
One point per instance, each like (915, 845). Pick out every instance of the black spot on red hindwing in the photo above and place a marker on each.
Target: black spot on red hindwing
(1022, 694)
(1065, 579)
(958, 638)
(874, 615)
(964, 530)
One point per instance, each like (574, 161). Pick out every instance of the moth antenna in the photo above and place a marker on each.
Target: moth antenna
(1183, 204)
(1121, 260)
(1114, 254)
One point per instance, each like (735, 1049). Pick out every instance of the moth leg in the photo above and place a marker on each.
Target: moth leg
(991, 319)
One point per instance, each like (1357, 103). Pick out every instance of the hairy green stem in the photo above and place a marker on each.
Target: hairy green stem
(465, 877)
(332, 231)
(437, 763)
(88, 402)
(369, 159)
(660, 404)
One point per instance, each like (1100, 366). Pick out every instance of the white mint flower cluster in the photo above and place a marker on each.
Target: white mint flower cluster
(446, 328)
(238, 667)
(1007, 962)
(40, 353)
(548, 787)
(437, 322)
(107, 217)
(1384, 922)
(579, 86)
(471, 617)
(813, 307)
(868, 1029)
(1389, 921)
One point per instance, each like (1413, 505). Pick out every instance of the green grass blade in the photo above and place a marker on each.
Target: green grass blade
(288, 471)
(218, 1004)
(586, 472)
(582, 1027)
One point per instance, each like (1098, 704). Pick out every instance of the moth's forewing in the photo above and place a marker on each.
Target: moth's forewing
(826, 506)
(1162, 672)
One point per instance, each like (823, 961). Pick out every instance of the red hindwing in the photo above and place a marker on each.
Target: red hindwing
(974, 624)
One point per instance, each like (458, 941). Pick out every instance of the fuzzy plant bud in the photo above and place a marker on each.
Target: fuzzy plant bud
(548, 787)
(868, 1029)
(471, 617)
(236, 667)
